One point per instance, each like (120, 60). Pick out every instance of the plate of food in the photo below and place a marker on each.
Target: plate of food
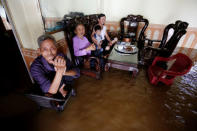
(126, 48)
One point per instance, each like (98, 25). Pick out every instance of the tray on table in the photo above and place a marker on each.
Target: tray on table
(122, 48)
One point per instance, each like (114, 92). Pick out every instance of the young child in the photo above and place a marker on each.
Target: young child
(98, 37)
(82, 47)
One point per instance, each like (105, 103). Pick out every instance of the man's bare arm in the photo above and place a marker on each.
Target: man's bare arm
(60, 67)
(56, 83)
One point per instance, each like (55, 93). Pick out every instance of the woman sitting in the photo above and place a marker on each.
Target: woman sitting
(83, 48)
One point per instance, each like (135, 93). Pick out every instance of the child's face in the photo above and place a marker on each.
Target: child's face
(98, 32)
(80, 30)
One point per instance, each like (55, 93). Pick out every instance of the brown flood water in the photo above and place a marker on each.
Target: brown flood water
(118, 102)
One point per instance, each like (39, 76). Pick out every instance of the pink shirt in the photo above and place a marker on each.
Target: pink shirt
(80, 45)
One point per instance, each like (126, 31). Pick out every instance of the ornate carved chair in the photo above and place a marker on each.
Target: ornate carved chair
(167, 44)
(89, 21)
(129, 27)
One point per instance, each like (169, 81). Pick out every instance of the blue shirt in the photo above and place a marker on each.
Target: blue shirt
(43, 73)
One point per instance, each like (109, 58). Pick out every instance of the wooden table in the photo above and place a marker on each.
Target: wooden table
(128, 62)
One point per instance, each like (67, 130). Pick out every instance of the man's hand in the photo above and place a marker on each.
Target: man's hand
(60, 67)
(59, 64)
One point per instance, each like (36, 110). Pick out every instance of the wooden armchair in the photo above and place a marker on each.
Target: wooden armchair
(129, 27)
(167, 44)
(89, 22)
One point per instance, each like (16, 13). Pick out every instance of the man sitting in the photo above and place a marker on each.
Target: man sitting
(51, 71)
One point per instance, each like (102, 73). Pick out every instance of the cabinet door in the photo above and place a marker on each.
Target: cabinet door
(27, 21)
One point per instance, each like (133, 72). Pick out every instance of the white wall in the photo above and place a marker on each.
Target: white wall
(26, 13)
(156, 11)
(27, 20)
(58, 8)
(55, 8)
(2, 11)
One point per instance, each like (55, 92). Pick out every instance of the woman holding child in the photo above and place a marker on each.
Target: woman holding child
(107, 43)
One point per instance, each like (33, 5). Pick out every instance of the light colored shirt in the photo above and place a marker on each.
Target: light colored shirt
(80, 46)
(103, 32)
(98, 38)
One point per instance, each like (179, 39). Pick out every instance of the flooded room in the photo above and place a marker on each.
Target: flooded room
(98, 65)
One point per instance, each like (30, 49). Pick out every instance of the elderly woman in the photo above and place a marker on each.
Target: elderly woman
(52, 71)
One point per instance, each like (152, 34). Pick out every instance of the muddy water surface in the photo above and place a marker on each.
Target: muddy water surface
(119, 102)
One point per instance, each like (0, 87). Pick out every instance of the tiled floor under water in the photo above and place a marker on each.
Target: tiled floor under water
(115, 103)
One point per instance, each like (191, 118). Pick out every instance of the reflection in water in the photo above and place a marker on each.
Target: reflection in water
(119, 102)
(190, 78)
(180, 101)
(126, 103)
